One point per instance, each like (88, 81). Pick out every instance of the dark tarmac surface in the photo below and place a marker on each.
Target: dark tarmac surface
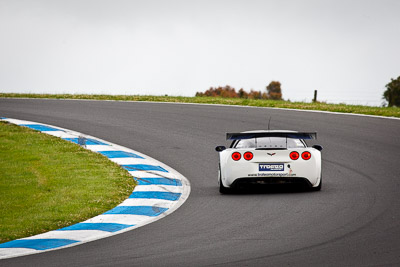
(353, 221)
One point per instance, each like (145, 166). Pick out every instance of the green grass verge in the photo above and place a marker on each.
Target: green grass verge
(47, 183)
(358, 109)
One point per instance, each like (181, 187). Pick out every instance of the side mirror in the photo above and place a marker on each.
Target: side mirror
(318, 147)
(220, 148)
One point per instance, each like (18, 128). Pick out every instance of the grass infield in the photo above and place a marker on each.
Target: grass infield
(47, 183)
(357, 109)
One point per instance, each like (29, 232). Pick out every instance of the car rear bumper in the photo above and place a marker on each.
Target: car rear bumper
(239, 182)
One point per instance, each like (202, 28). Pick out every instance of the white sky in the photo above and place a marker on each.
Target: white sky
(347, 50)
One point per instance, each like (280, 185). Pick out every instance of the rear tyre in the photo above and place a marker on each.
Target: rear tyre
(222, 188)
(317, 188)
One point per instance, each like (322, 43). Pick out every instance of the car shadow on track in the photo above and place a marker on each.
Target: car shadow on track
(270, 189)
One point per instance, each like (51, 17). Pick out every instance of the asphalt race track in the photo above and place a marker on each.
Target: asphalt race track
(353, 221)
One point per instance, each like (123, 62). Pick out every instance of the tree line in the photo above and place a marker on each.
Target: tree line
(273, 92)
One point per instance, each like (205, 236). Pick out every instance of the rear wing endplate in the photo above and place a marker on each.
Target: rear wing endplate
(295, 135)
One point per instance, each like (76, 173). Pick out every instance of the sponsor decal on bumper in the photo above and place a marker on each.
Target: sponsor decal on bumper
(268, 174)
(275, 167)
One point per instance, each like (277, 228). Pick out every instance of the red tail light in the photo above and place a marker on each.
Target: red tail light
(294, 155)
(248, 156)
(236, 156)
(306, 155)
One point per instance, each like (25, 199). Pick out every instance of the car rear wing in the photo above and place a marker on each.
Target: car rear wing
(295, 135)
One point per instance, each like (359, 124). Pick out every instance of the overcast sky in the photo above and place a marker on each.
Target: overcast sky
(347, 50)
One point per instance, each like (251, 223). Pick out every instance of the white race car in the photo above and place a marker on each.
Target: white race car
(269, 157)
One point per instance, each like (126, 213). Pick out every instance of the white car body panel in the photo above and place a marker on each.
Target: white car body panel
(232, 170)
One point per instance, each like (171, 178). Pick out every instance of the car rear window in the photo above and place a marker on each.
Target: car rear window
(269, 143)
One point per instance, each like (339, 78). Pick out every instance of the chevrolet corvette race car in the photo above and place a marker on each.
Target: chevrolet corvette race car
(269, 157)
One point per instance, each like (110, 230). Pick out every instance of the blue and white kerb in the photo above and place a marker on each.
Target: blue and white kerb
(160, 191)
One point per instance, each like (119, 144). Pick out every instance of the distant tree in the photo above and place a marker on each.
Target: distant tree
(243, 93)
(274, 90)
(264, 95)
(257, 95)
(392, 93)
(254, 94)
